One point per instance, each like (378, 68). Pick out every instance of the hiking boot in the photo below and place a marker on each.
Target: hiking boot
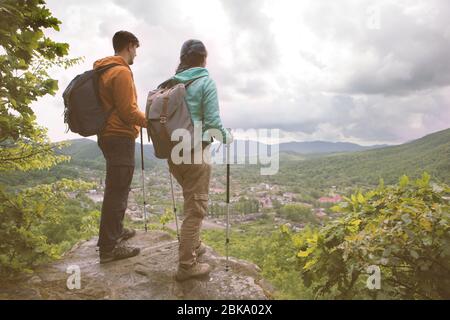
(201, 249)
(126, 234)
(118, 253)
(194, 271)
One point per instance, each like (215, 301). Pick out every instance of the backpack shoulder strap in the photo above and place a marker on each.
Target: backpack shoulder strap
(100, 71)
(166, 84)
(170, 83)
(187, 84)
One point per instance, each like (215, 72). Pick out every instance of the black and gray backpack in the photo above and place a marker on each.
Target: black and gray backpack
(83, 111)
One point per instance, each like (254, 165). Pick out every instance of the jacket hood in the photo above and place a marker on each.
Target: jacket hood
(190, 74)
(108, 60)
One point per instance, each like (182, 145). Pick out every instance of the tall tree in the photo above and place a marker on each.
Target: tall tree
(26, 54)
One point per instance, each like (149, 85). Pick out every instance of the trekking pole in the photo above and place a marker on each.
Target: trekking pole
(227, 241)
(143, 180)
(174, 205)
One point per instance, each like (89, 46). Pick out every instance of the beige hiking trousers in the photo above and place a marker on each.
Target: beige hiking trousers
(194, 180)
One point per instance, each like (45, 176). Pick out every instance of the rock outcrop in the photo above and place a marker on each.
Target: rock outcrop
(147, 276)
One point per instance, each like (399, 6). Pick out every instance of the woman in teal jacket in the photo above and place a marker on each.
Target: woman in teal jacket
(201, 95)
(202, 101)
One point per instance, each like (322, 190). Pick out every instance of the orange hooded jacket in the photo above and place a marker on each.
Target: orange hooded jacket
(116, 88)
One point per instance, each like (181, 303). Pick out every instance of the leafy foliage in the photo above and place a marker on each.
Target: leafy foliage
(24, 79)
(165, 218)
(30, 154)
(403, 229)
(40, 223)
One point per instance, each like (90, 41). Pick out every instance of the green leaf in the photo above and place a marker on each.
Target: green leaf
(361, 198)
(414, 254)
(404, 181)
(406, 218)
(305, 253)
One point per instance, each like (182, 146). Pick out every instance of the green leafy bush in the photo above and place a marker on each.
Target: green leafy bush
(40, 223)
(402, 229)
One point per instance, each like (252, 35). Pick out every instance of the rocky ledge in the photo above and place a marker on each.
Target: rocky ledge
(147, 276)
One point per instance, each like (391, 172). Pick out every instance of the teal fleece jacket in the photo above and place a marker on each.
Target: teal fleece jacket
(202, 101)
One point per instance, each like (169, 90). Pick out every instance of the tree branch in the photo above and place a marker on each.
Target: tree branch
(27, 156)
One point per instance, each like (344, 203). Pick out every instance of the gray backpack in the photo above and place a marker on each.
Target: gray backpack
(83, 111)
(167, 111)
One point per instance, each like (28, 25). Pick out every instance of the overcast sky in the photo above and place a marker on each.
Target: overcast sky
(350, 70)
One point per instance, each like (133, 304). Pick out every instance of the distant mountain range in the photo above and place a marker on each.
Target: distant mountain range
(430, 153)
(314, 163)
(251, 149)
(320, 147)
(341, 159)
(86, 151)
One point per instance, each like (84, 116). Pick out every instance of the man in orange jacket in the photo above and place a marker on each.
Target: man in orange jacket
(117, 142)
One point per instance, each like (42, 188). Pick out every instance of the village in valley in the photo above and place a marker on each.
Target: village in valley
(248, 203)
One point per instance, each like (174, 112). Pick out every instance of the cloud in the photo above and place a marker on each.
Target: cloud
(410, 54)
(362, 71)
(407, 51)
(253, 42)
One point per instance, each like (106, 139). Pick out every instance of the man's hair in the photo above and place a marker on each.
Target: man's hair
(122, 39)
